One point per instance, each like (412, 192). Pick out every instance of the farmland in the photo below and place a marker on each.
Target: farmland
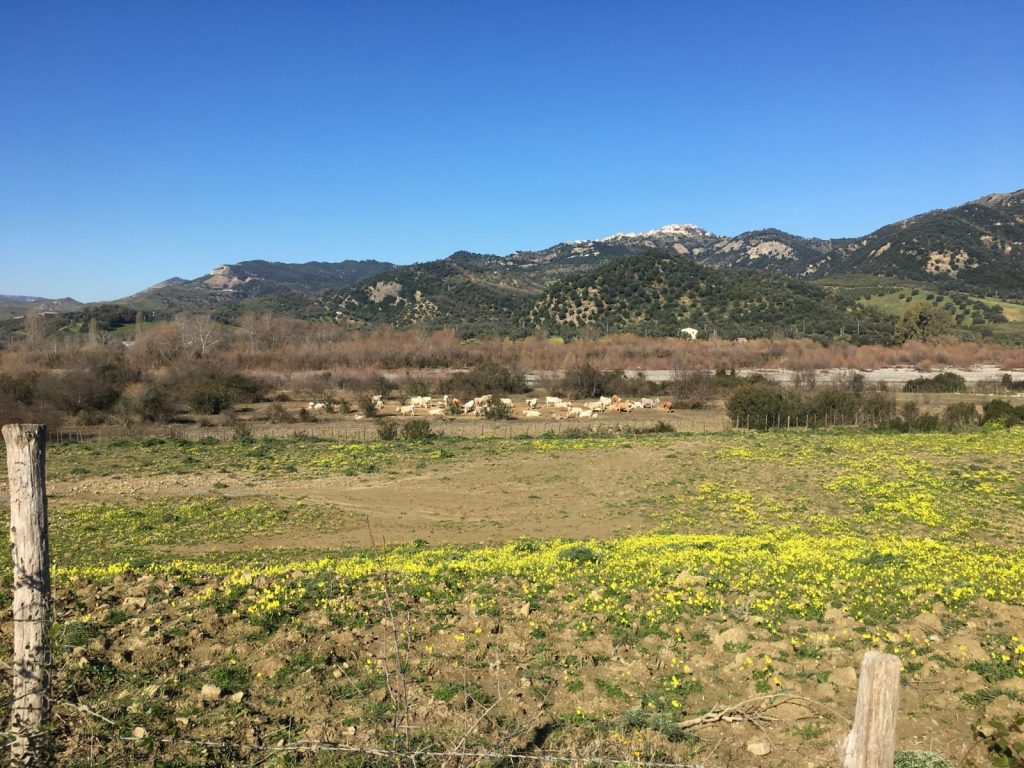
(580, 595)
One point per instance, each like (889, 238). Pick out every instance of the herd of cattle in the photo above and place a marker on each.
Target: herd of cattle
(531, 407)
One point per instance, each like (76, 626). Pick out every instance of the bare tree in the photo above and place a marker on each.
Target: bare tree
(249, 326)
(199, 333)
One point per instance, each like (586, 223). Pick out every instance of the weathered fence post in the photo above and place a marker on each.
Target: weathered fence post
(30, 551)
(872, 740)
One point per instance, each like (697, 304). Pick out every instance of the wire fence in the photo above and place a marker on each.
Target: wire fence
(716, 421)
(258, 754)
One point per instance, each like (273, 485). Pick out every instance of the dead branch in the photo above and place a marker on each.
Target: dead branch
(754, 710)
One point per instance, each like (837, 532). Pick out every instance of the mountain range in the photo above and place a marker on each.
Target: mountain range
(652, 281)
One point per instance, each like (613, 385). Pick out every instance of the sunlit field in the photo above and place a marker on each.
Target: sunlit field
(576, 595)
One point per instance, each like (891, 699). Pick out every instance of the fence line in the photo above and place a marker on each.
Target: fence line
(513, 429)
(411, 757)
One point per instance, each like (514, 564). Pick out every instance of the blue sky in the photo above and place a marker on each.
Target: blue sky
(141, 140)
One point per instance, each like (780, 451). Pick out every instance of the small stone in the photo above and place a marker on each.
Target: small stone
(844, 677)
(524, 609)
(135, 603)
(686, 579)
(336, 673)
(182, 721)
(210, 693)
(350, 731)
(236, 697)
(759, 748)
(139, 732)
(986, 731)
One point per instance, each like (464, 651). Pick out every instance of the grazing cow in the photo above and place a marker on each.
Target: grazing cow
(605, 401)
(421, 401)
(506, 401)
(469, 407)
(531, 403)
(552, 401)
(483, 399)
(406, 410)
(648, 402)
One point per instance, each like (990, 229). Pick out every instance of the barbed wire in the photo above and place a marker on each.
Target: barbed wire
(412, 756)
(415, 755)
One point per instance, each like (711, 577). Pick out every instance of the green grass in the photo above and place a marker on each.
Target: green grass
(152, 530)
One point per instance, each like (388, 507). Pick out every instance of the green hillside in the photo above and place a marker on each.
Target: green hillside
(464, 292)
(661, 293)
(975, 248)
(248, 280)
(977, 317)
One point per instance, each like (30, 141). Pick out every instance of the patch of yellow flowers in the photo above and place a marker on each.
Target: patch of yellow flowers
(635, 582)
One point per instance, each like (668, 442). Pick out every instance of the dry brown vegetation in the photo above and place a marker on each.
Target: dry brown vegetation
(158, 374)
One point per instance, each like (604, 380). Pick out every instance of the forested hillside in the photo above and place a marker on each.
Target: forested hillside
(661, 293)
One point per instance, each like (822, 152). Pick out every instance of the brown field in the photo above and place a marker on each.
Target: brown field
(610, 588)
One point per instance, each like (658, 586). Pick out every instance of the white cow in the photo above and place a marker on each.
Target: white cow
(469, 406)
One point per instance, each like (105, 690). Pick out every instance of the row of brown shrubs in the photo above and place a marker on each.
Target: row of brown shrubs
(178, 367)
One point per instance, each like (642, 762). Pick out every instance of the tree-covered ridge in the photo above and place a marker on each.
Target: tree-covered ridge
(254, 280)
(772, 250)
(661, 293)
(977, 248)
(460, 292)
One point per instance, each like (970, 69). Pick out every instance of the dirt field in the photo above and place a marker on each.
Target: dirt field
(574, 595)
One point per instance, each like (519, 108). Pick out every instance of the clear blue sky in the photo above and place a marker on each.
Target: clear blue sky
(141, 140)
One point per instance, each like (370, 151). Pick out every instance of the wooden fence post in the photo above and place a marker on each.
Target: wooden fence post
(30, 552)
(872, 740)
